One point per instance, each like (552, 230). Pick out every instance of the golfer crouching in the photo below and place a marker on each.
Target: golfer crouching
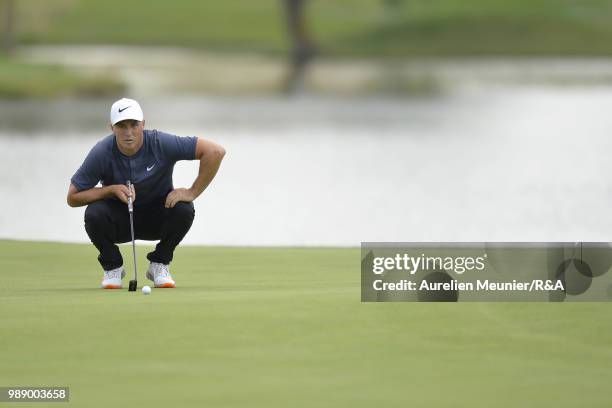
(161, 212)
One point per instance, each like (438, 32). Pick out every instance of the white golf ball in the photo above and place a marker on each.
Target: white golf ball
(146, 290)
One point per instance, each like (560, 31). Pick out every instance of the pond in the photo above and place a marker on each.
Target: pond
(501, 163)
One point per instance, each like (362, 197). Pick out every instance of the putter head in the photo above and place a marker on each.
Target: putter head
(133, 285)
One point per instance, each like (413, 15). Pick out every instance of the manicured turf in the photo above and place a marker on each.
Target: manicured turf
(365, 27)
(266, 327)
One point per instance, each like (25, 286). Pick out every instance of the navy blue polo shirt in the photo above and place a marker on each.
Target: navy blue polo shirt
(150, 169)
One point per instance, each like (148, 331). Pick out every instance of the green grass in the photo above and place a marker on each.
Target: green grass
(341, 27)
(235, 24)
(265, 327)
(21, 80)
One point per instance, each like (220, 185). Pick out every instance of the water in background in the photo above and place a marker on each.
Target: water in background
(507, 163)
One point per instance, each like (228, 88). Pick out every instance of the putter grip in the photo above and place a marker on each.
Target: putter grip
(130, 207)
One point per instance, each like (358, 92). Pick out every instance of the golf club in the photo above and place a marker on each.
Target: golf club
(134, 282)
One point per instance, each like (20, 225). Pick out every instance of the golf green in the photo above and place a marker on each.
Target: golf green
(265, 327)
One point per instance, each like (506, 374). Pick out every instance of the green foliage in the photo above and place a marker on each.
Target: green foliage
(18, 79)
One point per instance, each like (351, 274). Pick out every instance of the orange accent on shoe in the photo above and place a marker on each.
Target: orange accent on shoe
(166, 285)
(111, 287)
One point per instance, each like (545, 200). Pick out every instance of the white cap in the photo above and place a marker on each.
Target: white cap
(125, 109)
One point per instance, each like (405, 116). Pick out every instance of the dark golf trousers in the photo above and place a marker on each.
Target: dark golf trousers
(107, 223)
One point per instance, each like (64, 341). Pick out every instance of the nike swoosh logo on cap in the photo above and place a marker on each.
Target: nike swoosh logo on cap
(149, 168)
(121, 110)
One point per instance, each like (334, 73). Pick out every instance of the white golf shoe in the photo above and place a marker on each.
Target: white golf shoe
(160, 275)
(112, 278)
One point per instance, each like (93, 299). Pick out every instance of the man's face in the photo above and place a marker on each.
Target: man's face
(129, 135)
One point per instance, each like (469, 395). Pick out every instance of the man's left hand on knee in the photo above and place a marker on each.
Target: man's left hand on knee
(179, 194)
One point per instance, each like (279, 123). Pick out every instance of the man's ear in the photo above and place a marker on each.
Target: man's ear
(110, 125)
(143, 123)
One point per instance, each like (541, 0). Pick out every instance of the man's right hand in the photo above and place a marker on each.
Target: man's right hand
(122, 192)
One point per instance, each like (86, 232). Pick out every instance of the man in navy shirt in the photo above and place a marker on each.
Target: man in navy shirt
(161, 212)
